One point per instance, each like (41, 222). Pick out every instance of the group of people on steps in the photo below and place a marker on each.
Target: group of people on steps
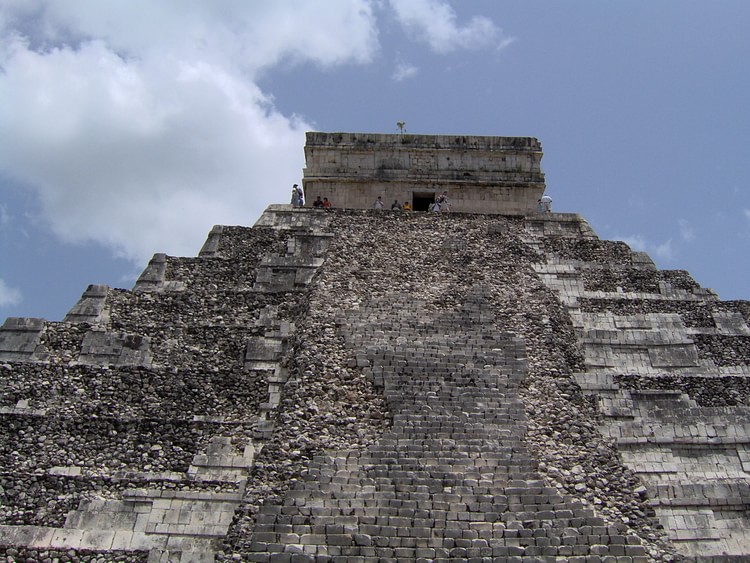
(544, 204)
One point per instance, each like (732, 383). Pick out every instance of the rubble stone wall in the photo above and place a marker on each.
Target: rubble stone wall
(362, 386)
(128, 429)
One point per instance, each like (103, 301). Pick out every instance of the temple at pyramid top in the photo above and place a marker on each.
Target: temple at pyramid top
(481, 174)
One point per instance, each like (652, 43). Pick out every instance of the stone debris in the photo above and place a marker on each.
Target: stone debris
(374, 386)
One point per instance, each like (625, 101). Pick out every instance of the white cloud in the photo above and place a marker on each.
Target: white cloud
(636, 242)
(4, 216)
(139, 125)
(636, 201)
(639, 243)
(665, 250)
(747, 213)
(504, 42)
(434, 22)
(404, 70)
(252, 35)
(686, 231)
(8, 295)
(129, 153)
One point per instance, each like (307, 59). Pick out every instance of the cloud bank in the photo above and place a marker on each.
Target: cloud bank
(404, 70)
(8, 295)
(686, 230)
(435, 23)
(139, 125)
(135, 129)
(664, 250)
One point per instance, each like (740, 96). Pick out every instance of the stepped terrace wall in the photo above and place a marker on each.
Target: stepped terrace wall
(362, 385)
(117, 454)
(667, 363)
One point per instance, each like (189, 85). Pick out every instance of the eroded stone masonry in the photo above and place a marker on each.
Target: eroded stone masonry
(361, 385)
(483, 174)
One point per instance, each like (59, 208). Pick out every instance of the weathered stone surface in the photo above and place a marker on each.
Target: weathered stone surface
(20, 339)
(481, 174)
(667, 363)
(90, 307)
(361, 385)
(136, 432)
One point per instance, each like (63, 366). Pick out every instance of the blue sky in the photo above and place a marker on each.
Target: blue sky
(130, 127)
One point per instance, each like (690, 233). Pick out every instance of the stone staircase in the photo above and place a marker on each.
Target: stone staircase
(173, 422)
(451, 479)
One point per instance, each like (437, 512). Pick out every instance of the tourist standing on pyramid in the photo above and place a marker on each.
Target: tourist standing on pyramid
(298, 198)
(442, 203)
(545, 204)
(295, 196)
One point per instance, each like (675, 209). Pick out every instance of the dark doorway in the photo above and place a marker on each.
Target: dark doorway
(422, 202)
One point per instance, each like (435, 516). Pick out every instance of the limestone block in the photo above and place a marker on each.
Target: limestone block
(670, 356)
(19, 339)
(152, 278)
(105, 348)
(264, 349)
(37, 536)
(98, 540)
(70, 471)
(642, 259)
(90, 306)
(122, 540)
(211, 246)
(62, 538)
(313, 244)
(285, 217)
(731, 323)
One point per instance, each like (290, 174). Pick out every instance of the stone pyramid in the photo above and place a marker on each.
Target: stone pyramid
(361, 385)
